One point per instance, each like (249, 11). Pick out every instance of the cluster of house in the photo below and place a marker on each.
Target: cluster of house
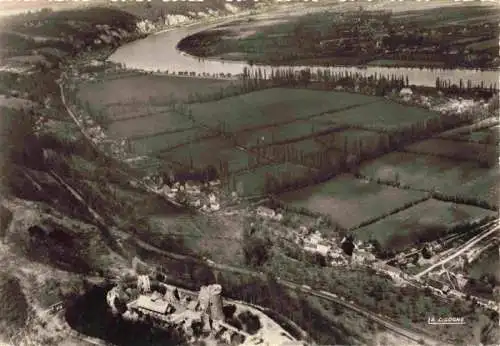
(315, 242)
(190, 193)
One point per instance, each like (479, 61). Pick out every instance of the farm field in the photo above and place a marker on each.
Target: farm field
(487, 263)
(210, 151)
(424, 221)
(350, 201)
(253, 182)
(484, 187)
(151, 125)
(167, 141)
(382, 115)
(141, 89)
(287, 132)
(426, 172)
(466, 129)
(489, 135)
(286, 116)
(273, 106)
(351, 137)
(454, 149)
(129, 111)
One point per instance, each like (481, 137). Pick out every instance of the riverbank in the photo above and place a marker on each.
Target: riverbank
(164, 55)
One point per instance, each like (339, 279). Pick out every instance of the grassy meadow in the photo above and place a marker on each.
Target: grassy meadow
(141, 88)
(460, 150)
(425, 220)
(432, 173)
(264, 136)
(350, 201)
(489, 135)
(270, 107)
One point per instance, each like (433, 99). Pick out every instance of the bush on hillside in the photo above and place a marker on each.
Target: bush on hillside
(14, 307)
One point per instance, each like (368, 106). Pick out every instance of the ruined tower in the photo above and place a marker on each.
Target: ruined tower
(204, 298)
(216, 311)
(143, 284)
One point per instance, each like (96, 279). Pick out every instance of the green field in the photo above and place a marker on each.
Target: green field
(351, 137)
(426, 172)
(209, 152)
(487, 263)
(488, 135)
(406, 63)
(167, 141)
(454, 149)
(149, 126)
(145, 89)
(381, 115)
(423, 221)
(307, 127)
(253, 182)
(483, 187)
(274, 106)
(350, 201)
(279, 133)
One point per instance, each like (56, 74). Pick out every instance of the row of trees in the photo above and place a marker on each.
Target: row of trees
(336, 155)
(467, 88)
(330, 161)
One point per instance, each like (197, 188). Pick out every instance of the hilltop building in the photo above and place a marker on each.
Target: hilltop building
(197, 315)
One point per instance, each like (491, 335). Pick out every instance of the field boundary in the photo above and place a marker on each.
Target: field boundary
(461, 140)
(479, 160)
(392, 212)
(301, 138)
(458, 199)
(157, 134)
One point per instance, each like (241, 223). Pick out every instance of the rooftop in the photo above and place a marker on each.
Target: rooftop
(153, 303)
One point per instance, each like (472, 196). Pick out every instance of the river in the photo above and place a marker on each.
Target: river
(158, 52)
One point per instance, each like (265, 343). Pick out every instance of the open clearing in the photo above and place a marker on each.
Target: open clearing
(200, 235)
(426, 172)
(420, 222)
(350, 201)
